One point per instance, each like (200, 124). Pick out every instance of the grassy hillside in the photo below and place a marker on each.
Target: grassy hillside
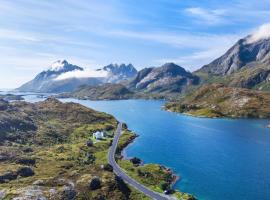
(47, 151)
(101, 92)
(113, 92)
(255, 76)
(216, 100)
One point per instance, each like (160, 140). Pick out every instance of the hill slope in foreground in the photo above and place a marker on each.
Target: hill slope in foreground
(47, 152)
(216, 100)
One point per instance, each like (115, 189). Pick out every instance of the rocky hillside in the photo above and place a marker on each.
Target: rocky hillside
(243, 53)
(119, 73)
(216, 100)
(167, 79)
(246, 64)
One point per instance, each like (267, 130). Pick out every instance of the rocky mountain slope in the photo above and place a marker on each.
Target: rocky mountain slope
(47, 152)
(65, 77)
(217, 100)
(246, 64)
(167, 79)
(119, 73)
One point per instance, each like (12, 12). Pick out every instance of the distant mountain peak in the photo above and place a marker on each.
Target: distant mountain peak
(58, 65)
(116, 68)
(63, 66)
(251, 50)
(170, 77)
(119, 72)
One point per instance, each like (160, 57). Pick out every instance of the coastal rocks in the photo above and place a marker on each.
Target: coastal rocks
(95, 183)
(136, 161)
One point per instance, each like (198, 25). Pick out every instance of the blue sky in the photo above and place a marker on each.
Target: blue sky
(93, 33)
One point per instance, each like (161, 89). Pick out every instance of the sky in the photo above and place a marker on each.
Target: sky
(94, 33)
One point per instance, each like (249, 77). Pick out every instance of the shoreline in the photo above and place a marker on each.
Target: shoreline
(175, 177)
(219, 117)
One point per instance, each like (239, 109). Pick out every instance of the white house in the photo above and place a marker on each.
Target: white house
(98, 135)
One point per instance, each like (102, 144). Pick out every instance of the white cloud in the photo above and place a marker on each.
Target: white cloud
(180, 40)
(263, 32)
(87, 73)
(210, 17)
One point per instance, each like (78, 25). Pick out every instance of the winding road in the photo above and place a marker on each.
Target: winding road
(119, 172)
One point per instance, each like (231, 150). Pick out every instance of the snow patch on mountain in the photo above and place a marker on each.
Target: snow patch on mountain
(58, 65)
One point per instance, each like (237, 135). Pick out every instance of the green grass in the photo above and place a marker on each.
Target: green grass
(59, 162)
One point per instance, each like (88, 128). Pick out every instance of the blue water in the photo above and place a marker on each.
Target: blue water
(217, 159)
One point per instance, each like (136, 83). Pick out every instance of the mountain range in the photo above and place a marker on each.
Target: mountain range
(65, 77)
(168, 80)
(245, 65)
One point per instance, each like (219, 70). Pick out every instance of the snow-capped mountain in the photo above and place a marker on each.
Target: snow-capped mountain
(62, 76)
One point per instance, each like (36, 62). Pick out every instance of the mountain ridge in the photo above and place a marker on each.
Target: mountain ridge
(62, 76)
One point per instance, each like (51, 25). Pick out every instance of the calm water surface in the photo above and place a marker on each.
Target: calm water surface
(217, 159)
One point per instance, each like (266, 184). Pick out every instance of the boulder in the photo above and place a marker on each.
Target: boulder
(28, 150)
(68, 193)
(8, 176)
(95, 183)
(136, 161)
(108, 167)
(26, 161)
(89, 143)
(25, 172)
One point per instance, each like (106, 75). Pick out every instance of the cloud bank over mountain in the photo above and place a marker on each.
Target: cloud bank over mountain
(263, 32)
(86, 73)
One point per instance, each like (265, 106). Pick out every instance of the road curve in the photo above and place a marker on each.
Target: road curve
(119, 172)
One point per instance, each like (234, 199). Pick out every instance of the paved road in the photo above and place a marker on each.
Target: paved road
(118, 171)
